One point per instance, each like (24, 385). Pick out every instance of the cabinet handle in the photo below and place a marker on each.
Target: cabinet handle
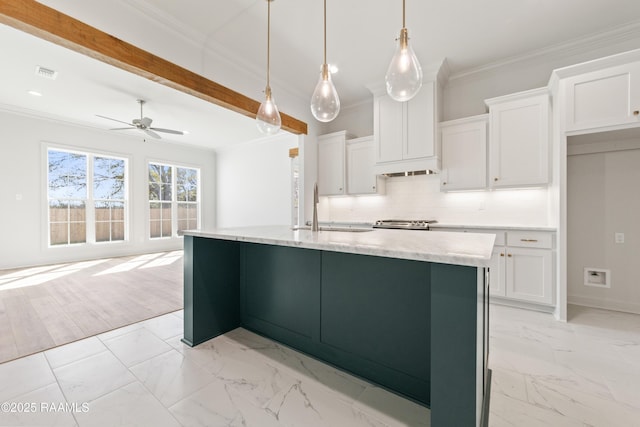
(509, 255)
(495, 179)
(374, 187)
(444, 183)
(501, 254)
(529, 240)
(340, 189)
(637, 112)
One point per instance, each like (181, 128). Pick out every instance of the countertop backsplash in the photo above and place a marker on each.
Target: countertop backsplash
(419, 197)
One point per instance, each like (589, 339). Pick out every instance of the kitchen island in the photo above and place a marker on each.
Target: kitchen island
(407, 310)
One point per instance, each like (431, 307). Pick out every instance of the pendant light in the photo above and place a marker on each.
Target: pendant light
(325, 104)
(404, 75)
(268, 118)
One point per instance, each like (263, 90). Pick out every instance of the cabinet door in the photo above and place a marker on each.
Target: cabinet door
(388, 123)
(608, 97)
(519, 142)
(360, 160)
(496, 272)
(464, 156)
(331, 165)
(419, 124)
(529, 275)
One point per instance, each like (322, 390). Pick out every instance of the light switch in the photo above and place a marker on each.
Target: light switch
(18, 196)
(619, 237)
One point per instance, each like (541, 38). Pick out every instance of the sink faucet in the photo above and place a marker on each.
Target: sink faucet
(314, 224)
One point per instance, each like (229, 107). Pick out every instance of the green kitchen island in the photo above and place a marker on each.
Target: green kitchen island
(407, 310)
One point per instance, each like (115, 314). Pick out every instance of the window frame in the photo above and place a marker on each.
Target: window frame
(174, 198)
(90, 202)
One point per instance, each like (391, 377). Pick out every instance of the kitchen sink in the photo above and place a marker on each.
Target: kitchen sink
(334, 228)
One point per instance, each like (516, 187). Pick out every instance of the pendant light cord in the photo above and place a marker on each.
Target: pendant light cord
(268, 39)
(325, 32)
(403, 23)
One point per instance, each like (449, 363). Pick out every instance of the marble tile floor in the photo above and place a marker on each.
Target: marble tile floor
(143, 375)
(545, 373)
(585, 372)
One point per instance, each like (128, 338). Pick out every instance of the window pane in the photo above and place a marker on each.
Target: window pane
(77, 211)
(67, 177)
(154, 191)
(117, 230)
(117, 211)
(154, 229)
(58, 234)
(58, 211)
(165, 192)
(155, 213)
(181, 193)
(159, 173)
(166, 228)
(103, 232)
(78, 233)
(183, 224)
(187, 181)
(108, 178)
(102, 211)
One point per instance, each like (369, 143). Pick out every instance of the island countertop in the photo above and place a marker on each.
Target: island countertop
(470, 249)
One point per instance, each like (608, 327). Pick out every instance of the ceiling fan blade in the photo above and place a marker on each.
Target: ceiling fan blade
(152, 133)
(122, 128)
(115, 120)
(175, 132)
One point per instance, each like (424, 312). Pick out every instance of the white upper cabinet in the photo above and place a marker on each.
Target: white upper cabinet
(361, 178)
(405, 132)
(603, 98)
(519, 134)
(464, 153)
(331, 163)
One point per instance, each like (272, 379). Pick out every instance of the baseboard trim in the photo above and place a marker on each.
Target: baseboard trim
(625, 306)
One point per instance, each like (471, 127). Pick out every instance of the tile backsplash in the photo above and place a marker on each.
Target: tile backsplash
(419, 197)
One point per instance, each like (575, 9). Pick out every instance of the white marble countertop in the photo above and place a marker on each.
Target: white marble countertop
(493, 227)
(471, 249)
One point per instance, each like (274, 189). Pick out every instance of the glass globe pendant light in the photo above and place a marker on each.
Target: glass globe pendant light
(268, 118)
(325, 103)
(404, 75)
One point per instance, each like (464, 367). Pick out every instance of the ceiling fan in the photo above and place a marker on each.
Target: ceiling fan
(143, 124)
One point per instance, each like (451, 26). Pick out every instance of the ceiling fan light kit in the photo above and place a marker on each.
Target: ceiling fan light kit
(325, 103)
(268, 118)
(404, 75)
(143, 124)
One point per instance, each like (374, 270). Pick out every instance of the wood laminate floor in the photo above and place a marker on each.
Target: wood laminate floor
(47, 306)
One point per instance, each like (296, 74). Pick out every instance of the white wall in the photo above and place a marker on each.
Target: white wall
(602, 199)
(254, 182)
(419, 197)
(23, 223)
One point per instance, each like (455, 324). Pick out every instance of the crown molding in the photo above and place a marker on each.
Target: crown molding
(573, 47)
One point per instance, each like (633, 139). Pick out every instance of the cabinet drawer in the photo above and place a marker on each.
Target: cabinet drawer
(530, 239)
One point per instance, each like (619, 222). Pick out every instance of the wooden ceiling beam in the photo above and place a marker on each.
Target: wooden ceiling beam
(49, 24)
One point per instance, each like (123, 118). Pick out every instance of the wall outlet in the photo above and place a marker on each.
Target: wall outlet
(18, 197)
(619, 237)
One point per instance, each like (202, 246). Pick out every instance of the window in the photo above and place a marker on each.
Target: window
(173, 199)
(85, 189)
(108, 196)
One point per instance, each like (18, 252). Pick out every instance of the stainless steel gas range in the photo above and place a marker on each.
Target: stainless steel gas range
(404, 224)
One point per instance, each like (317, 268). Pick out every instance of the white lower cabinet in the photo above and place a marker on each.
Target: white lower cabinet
(521, 268)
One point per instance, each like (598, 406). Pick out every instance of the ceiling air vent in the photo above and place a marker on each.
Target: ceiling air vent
(47, 73)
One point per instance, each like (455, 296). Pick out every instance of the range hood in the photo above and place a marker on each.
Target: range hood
(408, 173)
(421, 166)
